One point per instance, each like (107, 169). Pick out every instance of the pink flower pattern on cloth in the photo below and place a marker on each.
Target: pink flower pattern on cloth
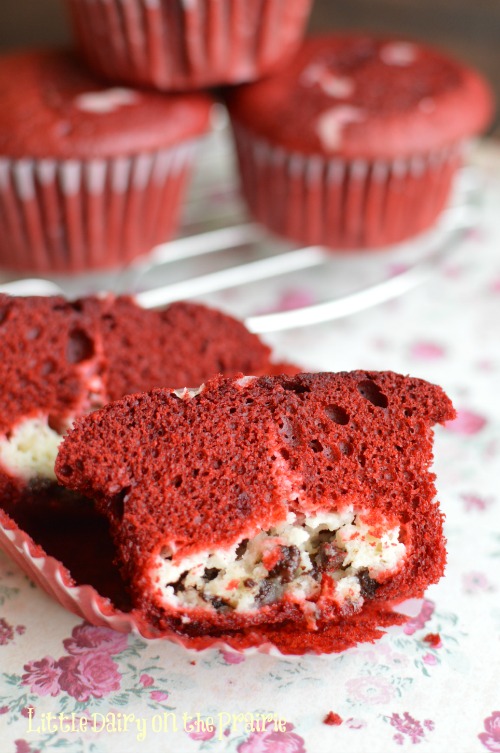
(88, 671)
(370, 689)
(427, 350)
(273, 741)
(88, 638)
(42, 676)
(491, 737)
(467, 423)
(196, 733)
(86, 675)
(409, 728)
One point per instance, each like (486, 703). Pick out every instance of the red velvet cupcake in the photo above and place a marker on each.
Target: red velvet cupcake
(251, 502)
(60, 360)
(356, 143)
(91, 177)
(176, 45)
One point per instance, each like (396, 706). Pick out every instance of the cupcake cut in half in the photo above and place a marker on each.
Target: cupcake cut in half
(281, 505)
(356, 143)
(91, 175)
(187, 44)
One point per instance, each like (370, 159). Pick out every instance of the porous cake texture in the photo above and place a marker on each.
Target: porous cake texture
(63, 359)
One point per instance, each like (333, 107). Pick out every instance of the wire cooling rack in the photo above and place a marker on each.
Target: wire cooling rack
(224, 259)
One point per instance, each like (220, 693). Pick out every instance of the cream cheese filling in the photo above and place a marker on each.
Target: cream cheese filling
(30, 450)
(288, 560)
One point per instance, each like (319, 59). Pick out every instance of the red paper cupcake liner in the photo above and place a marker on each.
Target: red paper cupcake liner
(342, 204)
(187, 44)
(70, 216)
(53, 577)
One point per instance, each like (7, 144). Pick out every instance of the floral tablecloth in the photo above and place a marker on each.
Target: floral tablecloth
(435, 684)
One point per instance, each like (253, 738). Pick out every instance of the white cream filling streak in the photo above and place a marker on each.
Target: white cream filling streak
(287, 561)
(30, 450)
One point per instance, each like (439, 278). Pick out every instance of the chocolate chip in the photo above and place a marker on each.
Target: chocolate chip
(368, 585)
(218, 604)
(178, 587)
(241, 549)
(287, 565)
(210, 573)
(329, 557)
(269, 592)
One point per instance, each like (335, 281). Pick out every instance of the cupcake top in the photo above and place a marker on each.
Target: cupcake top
(360, 96)
(52, 107)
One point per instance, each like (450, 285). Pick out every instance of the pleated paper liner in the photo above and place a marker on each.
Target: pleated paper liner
(316, 200)
(72, 216)
(179, 45)
(64, 546)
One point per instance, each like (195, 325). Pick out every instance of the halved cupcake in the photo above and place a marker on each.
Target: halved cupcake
(268, 504)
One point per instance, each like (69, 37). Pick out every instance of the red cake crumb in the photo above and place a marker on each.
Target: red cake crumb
(193, 473)
(433, 639)
(333, 719)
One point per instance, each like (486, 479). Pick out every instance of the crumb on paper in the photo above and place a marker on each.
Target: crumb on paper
(333, 719)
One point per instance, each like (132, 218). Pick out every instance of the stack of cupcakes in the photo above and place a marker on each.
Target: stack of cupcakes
(92, 172)
(353, 142)
(179, 45)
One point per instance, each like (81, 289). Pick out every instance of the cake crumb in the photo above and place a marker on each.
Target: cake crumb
(332, 719)
(433, 639)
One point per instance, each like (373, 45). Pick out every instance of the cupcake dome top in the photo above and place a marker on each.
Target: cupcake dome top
(52, 107)
(361, 96)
